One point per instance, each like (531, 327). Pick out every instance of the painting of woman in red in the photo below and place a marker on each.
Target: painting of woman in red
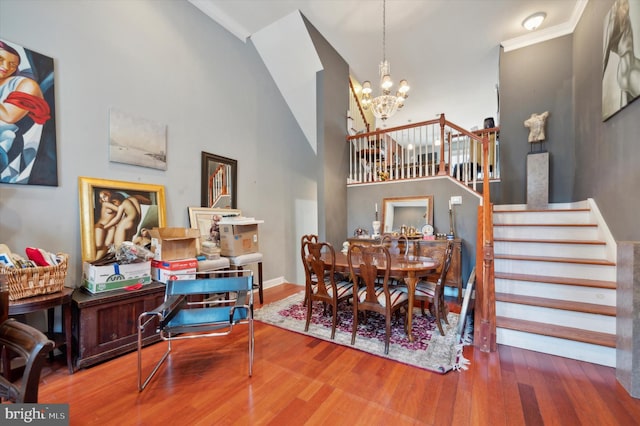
(27, 125)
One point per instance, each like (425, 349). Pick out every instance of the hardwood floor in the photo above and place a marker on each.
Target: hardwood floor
(300, 380)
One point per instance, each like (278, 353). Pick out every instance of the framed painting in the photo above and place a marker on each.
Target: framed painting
(621, 57)
(112, 212)
(219, 182)
(28, 153)
(206, 219)
(137, 141)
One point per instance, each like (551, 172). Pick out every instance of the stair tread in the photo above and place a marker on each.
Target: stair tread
(577, 209)
(559, 331)
(567, 305)
(585, 261)
(549, 241)
(567, 225)
(557, 280)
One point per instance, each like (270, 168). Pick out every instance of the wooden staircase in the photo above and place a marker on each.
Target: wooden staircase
(555, 281)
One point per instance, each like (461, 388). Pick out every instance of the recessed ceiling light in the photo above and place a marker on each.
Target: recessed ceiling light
(532, 22)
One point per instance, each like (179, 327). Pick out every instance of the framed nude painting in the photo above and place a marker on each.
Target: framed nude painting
(621, 57)
(112, 212)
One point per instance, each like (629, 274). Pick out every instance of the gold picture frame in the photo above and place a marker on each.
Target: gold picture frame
(113, 211)
(203, 219)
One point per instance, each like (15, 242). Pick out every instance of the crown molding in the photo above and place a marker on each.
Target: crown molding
(548, 33)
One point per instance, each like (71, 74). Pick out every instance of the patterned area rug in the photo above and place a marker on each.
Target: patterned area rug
(429, 350)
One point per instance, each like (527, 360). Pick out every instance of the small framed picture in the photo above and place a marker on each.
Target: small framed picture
(206, 221)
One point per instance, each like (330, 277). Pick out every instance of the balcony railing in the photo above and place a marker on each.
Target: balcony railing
(430, 148)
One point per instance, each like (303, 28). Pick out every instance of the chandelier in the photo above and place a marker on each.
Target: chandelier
(385, 105)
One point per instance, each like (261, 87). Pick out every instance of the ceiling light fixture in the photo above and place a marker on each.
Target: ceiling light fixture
(385, 105)
(532, 22)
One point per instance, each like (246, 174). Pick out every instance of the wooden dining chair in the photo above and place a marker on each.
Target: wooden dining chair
(393, 244)
(306, 238)
(321, 282)
(365, 264)
(433, 291)
(30, 344)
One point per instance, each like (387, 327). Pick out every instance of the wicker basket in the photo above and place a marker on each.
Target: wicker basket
(27, 282)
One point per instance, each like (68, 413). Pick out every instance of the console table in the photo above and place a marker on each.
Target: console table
(105, 324)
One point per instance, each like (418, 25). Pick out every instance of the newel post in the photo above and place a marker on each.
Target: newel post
(485, 314)
(441, 166)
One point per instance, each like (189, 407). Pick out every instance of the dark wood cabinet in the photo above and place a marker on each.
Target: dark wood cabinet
(105, 325)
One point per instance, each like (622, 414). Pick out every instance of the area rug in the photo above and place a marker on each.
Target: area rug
(429, 350)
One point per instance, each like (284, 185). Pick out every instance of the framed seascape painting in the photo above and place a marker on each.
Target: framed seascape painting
(621, 57)
(112, 212)
(28, 153)
(219, 182)
(137, 141)
(206, 219)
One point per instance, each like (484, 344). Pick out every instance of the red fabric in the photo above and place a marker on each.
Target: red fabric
(37, 256)
(133, 287)
(38, 109)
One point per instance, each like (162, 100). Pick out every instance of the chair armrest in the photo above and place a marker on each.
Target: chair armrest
(163, 312)
(243, 300)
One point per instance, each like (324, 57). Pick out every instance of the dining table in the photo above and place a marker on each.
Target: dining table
(406, 268)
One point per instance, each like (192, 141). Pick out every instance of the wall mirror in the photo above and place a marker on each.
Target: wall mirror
(219, 182)
(406, 211)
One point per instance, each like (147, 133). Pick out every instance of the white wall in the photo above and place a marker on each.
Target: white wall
(165, 61)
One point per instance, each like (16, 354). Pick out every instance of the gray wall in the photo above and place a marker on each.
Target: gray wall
(162, 60)
(607, 152)
(536, 79)
(589, 158)
(333, 150)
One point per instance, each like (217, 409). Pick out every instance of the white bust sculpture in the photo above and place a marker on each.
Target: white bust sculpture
(535, 123)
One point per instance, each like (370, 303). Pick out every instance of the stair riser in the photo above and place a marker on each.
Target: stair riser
(581, 320)
(543, 217)
(574, 293)
(585, 251)
(600, 355)
(546, 232)
(570, 270)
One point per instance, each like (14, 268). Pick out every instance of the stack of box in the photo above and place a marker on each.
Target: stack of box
(238, 236)
(175, 253)
(114, 276)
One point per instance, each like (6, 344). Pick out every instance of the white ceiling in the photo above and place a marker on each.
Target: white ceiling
(447, 49)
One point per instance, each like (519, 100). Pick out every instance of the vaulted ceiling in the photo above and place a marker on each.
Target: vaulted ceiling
(448, 50)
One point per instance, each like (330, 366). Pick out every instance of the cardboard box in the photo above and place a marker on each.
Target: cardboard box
(114, 276)
(163, 270)
(174, 243)
(238, 236)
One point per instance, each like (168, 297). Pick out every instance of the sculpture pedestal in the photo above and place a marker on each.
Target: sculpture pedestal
(538, 180)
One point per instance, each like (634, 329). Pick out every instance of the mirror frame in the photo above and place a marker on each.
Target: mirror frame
(416, 201)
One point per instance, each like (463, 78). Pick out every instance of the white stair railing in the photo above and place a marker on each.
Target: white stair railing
(425, 149)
